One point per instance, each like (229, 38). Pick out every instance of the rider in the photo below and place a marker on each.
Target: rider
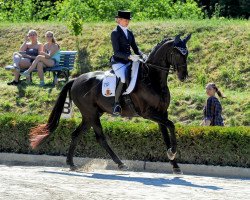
(122, 40)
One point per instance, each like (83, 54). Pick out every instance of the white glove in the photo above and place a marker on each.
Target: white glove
(134, 58)
(207, 122)
(144, 57)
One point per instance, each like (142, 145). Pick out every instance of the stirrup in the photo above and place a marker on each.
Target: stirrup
(117, 110)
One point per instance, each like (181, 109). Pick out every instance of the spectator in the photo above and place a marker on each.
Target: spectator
(49, 57)
(27, 54)
(212, 110)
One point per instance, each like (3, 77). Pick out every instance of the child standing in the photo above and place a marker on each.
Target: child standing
(212, 110)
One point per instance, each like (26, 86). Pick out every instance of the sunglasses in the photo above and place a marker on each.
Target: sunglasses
(32, 35)
(49, 36)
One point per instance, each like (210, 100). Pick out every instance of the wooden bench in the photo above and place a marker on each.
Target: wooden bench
(67, 60)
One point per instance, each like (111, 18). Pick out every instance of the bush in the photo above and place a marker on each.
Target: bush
(226, 8)
(197, 145)
(100, 10)
(97, 10)
(26, 10)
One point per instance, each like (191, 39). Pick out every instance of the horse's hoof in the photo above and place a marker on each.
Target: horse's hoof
(177, 171)
(73, 168)
(171, 155)
(123, 167)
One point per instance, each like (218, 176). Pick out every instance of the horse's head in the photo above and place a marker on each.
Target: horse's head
(170, 53)
(178, 56)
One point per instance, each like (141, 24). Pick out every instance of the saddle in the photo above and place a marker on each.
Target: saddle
(110, 81)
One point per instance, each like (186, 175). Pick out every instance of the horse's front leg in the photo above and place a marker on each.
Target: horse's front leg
(162, 119)
(166, 138)
(165, 124)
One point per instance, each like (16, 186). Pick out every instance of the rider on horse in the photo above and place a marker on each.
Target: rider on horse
(122, 40)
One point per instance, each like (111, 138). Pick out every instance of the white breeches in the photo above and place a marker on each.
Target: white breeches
(119, 69)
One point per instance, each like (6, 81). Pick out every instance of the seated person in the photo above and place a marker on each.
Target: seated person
(49, 57)
(27, 54)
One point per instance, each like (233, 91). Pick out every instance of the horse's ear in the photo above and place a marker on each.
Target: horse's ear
(187, 38)
(177, 39)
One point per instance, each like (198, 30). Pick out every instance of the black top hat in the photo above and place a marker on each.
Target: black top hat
(123, 14)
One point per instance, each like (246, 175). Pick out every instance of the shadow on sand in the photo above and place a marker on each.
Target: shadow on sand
(158, 182)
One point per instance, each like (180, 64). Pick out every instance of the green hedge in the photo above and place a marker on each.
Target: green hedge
(197, 145)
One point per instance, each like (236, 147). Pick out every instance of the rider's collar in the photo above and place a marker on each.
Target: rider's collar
(123, 28)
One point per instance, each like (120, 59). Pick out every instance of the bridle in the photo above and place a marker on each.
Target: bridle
(172, 68)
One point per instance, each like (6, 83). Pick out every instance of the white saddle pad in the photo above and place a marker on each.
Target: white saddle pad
(109, 82)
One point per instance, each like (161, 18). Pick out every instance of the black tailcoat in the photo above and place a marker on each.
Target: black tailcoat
(121, 45)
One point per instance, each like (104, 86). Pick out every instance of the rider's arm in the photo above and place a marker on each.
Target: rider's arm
(134, 46)
(115, 44)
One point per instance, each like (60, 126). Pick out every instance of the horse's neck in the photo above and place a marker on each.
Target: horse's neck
(158, 78)
(158, 58)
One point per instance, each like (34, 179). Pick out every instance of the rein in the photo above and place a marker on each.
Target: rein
(154, 66)
(157, 67)
(172, 67)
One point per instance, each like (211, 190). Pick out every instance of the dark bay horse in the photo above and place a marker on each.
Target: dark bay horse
(151, 98)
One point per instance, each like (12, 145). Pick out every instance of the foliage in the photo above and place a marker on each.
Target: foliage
(106, 10)
(226, 8)
(75, 24)
(137, 141)
(97, 10)
(26, 10)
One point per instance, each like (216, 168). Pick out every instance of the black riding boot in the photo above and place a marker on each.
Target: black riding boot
(118, 92)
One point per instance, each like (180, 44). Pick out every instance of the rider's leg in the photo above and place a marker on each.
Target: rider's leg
(118, 92)
(128, 75)
(119, 69)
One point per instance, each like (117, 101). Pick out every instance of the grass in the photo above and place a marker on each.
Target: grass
(218, 51)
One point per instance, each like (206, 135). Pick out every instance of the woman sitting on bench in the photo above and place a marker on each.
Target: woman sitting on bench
(27, 54)
(49, 57)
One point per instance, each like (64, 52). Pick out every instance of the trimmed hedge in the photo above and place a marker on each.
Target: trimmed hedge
(198, 145)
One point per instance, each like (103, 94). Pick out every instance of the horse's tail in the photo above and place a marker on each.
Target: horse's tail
(39, 133)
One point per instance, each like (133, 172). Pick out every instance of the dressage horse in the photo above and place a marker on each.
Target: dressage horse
(151, 98)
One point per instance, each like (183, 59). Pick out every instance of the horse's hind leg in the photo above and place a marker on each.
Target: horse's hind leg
(74, 138)
(166, 138)
(101, 139)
